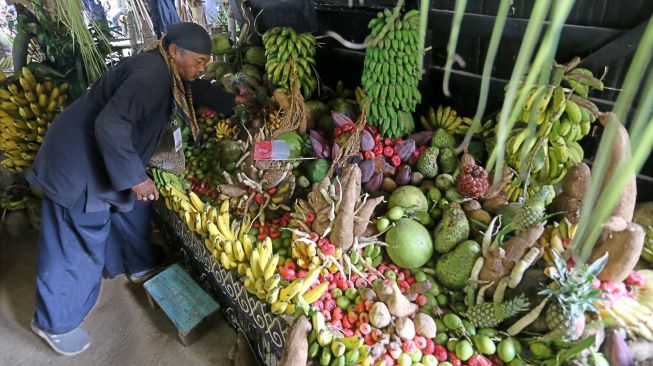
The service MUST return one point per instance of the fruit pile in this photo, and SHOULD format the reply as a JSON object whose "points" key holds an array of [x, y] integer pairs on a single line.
{"points": [[27, 107], [390, 72], [290, 56], [240, 66]]}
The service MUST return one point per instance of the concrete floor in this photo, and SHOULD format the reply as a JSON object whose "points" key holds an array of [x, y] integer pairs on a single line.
{"points": [[124, 329]]}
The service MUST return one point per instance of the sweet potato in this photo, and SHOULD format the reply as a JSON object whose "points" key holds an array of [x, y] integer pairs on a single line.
{"points": [[379, 315], [620, 153], [624, 248], [500, 261], [296, 348], [398, 304], [405, 328], [425, 325], [343, 227], [364, 214], [574, 186]]}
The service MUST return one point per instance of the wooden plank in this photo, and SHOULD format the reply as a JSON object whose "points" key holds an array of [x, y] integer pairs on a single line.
{"points": [[181, 298]]}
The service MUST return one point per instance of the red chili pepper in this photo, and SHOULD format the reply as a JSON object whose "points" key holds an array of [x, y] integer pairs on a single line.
{"points": [[259, 198], [388, 151]]}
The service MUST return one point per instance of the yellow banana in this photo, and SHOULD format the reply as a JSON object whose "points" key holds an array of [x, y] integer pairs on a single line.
{"points": [[224, 207], [247, 246], [272, 295], [227, 262], [271, 266], [310, 277], [272, 282], [239, 251], [196, 201], [223, 226], [290, 291], [255, 265], [279, 307], [316, 293]]}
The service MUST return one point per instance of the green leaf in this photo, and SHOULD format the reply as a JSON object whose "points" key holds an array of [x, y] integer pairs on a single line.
{"points": [[576, 349]]}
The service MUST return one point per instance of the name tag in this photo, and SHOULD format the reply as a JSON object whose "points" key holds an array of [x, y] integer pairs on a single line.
{"points": [[178, 141]]}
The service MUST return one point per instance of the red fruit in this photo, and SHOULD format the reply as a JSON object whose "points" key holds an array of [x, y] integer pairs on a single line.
{"points": [[310, 217], [329, 306], [377, 334], [332, 285], [364, 318], [472, 181], [377, 137], [387, 141], [395, 351], [275, 234], [422, 148], [313, 236], [365, 329], [291, 265], [478, 360], [352, 317], [420, 342], [259, 198], [341, 283], [635, 279], [337, 313], [440, 353], [388, 151], [301, 273], [369, 304], [403, 283], [409, 346], [272, 191], [369, 155], [421, 300], [337, 131], [393, 267], [345, 323], [377, 149], [395, 160], [348, 332], [360, 307], [319, 305], [369, 340], [327, 314], [455, 361], [372, 277], [430, 347]]}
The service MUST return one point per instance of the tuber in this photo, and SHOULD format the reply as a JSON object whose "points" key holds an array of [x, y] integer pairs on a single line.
{"points": [[364, 214], [405, 328], [574, 186], [379, 315], [343, 227], [398, 304], [620, 153], [500, 261], [425, 325], [623, 247], [296, 347]]}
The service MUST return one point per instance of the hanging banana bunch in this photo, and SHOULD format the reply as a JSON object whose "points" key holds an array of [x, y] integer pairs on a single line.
{"points": [[563, 115], [27, 108], [391, 73], [288, 53]]}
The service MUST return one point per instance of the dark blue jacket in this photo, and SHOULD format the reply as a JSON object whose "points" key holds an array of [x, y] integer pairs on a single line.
{"points": [[101, 143]]}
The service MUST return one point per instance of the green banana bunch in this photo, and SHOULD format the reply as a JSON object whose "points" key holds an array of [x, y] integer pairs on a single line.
{"points": [[289, 54], [390, 72], [27, 107], [562, 117]]}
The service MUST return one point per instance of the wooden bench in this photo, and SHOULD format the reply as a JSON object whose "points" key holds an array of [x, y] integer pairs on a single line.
{"points": [[189, 307]]}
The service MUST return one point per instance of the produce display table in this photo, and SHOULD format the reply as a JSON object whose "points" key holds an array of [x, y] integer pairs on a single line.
{"points": [[244, 312]]}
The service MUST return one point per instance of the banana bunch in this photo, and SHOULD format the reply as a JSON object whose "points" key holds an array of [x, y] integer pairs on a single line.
{"points": [[633, 314], [390, 72], [371, 254], [647, 251], [289, 56], [27, 107], [332, 349], [224, 131], [273, 120], [298, 294], [446, 118], [556, 238], [562, 116]]}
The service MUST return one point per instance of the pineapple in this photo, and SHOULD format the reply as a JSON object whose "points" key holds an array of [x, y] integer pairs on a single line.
{"points": [[532, 212], [489, 315], [573, 295]]}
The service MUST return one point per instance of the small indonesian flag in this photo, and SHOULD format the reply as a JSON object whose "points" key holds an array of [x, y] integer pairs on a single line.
{"points": [[272, 150]]}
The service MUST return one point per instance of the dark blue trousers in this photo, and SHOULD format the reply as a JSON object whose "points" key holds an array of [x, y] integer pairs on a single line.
{"points": [[74, 249]]}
